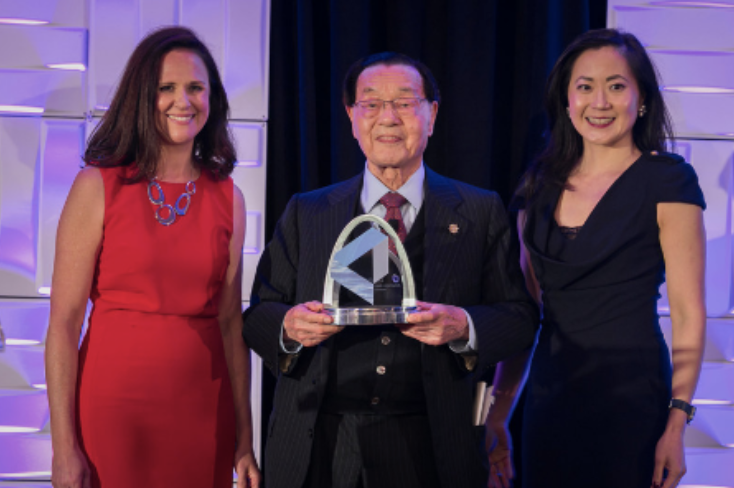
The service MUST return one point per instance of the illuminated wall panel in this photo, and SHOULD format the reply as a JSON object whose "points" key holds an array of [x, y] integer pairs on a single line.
{"points": [[28, 458], [249, 176], [664, 25], [689, 72], [27, 74], [24, 445], [39, 159], [67, 13], [692, 44], [19, 143], [61, 149], [34, 48], [714, 164]]}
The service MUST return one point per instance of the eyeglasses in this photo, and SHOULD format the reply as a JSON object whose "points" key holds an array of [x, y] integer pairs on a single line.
{"points": [[404, 107]]}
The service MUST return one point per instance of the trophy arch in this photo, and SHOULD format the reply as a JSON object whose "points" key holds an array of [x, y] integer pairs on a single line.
{"points": [[375, 314]]}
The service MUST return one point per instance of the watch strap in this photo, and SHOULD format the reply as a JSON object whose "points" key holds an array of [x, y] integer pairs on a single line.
{"points": [[689, 409]]}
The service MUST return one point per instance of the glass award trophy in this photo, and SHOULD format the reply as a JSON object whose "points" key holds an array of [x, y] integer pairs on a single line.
{"points": [[374, 282]]}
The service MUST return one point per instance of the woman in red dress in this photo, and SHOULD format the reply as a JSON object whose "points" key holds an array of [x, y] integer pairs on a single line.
{"points": [[152, 231]]}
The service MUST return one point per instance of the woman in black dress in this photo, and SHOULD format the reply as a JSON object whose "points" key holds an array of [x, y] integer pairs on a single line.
{"points": [[606, 216]]}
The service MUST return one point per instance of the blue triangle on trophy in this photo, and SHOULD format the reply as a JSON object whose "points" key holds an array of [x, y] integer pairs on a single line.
{"points": [[372, 240]]}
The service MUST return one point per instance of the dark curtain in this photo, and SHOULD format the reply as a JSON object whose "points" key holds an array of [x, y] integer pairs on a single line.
{"points": [[490, 58]]}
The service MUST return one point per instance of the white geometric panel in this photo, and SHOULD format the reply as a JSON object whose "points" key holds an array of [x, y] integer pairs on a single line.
{"points": [[715, 386], [695, 68], [23, 408], [40, 158], [690, 28], [723, 418], [24, 321], [720, 341], [113, 33], [714, 164], [705, 116], [60, 13], [19, 142], [62, 146], [246, 64], [254, 237], [28, 458], [709, 468], [235, 31], [44, 69], [684, 73], [36, 47], [250, 140], [47, 91], [24, 445], [249, 175]]}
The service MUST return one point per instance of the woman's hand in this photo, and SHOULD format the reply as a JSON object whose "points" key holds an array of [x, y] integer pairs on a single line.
{"points": [[70, 470], [245, 465], [499, 447], [669, 455]]}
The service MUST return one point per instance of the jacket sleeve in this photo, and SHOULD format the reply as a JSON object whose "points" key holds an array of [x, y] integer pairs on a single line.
{"points": [[507, 319], [273, 292]]}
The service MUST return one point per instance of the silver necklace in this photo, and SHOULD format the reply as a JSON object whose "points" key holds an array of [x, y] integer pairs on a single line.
{"points": [[179, 208]]}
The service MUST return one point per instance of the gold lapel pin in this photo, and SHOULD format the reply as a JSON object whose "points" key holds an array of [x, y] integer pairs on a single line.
{"points": [[454, 229]]}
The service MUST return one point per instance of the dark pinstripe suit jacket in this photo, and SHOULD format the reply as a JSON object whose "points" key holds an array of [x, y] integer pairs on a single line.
{"points": [[476, 268]]}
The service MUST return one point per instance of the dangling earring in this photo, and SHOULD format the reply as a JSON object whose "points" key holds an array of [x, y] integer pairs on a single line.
{"points": [[641, 111], [568, 112]]}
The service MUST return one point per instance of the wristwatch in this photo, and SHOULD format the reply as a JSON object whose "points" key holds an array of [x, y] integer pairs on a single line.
{"points": [[689, 409]]}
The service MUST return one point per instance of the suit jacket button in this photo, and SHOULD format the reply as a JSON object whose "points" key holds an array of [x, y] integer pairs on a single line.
{"points": [[381, 369], [385, 340], [375, 401]]}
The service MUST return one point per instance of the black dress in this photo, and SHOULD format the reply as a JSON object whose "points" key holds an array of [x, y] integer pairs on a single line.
{"points": [[600, 380]]}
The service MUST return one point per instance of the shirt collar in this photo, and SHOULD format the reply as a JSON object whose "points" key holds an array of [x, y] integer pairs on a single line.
{"points": [[373, 189]]}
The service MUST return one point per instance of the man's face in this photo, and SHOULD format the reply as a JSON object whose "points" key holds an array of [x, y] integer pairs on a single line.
{"points": [[390, 139]]}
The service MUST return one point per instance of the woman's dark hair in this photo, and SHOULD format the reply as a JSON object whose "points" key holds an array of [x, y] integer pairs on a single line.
{"points": [[564, 147], [128, 133], [349, 89]]}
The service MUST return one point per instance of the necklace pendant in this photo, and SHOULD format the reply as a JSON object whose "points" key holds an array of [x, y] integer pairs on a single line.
{"points": [[165, 214], [154, 185], [170, 219], [187, 198]]}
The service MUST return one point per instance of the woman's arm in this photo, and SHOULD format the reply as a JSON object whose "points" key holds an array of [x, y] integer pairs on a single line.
{"points": [[682, 238], [77, 244], [509, 378], [236, 351]]}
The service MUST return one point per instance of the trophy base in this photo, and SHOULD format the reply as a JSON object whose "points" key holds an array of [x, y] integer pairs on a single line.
{"points": [[369, 315]]}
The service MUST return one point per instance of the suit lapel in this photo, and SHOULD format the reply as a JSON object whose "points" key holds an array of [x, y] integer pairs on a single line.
{"points": [[446, 228], [339, 207]]}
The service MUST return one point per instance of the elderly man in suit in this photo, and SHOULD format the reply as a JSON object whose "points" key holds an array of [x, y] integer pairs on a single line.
{"points": [[388, 406]]}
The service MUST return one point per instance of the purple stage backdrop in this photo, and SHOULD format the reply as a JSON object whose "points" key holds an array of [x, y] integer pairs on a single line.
{"points": [[692, 45]]}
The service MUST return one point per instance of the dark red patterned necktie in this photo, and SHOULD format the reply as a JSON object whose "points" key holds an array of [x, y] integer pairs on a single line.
{"points": [[393, 202]]}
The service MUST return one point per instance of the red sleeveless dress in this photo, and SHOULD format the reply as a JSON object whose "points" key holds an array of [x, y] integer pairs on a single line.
{"points": [[154, 399]]}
